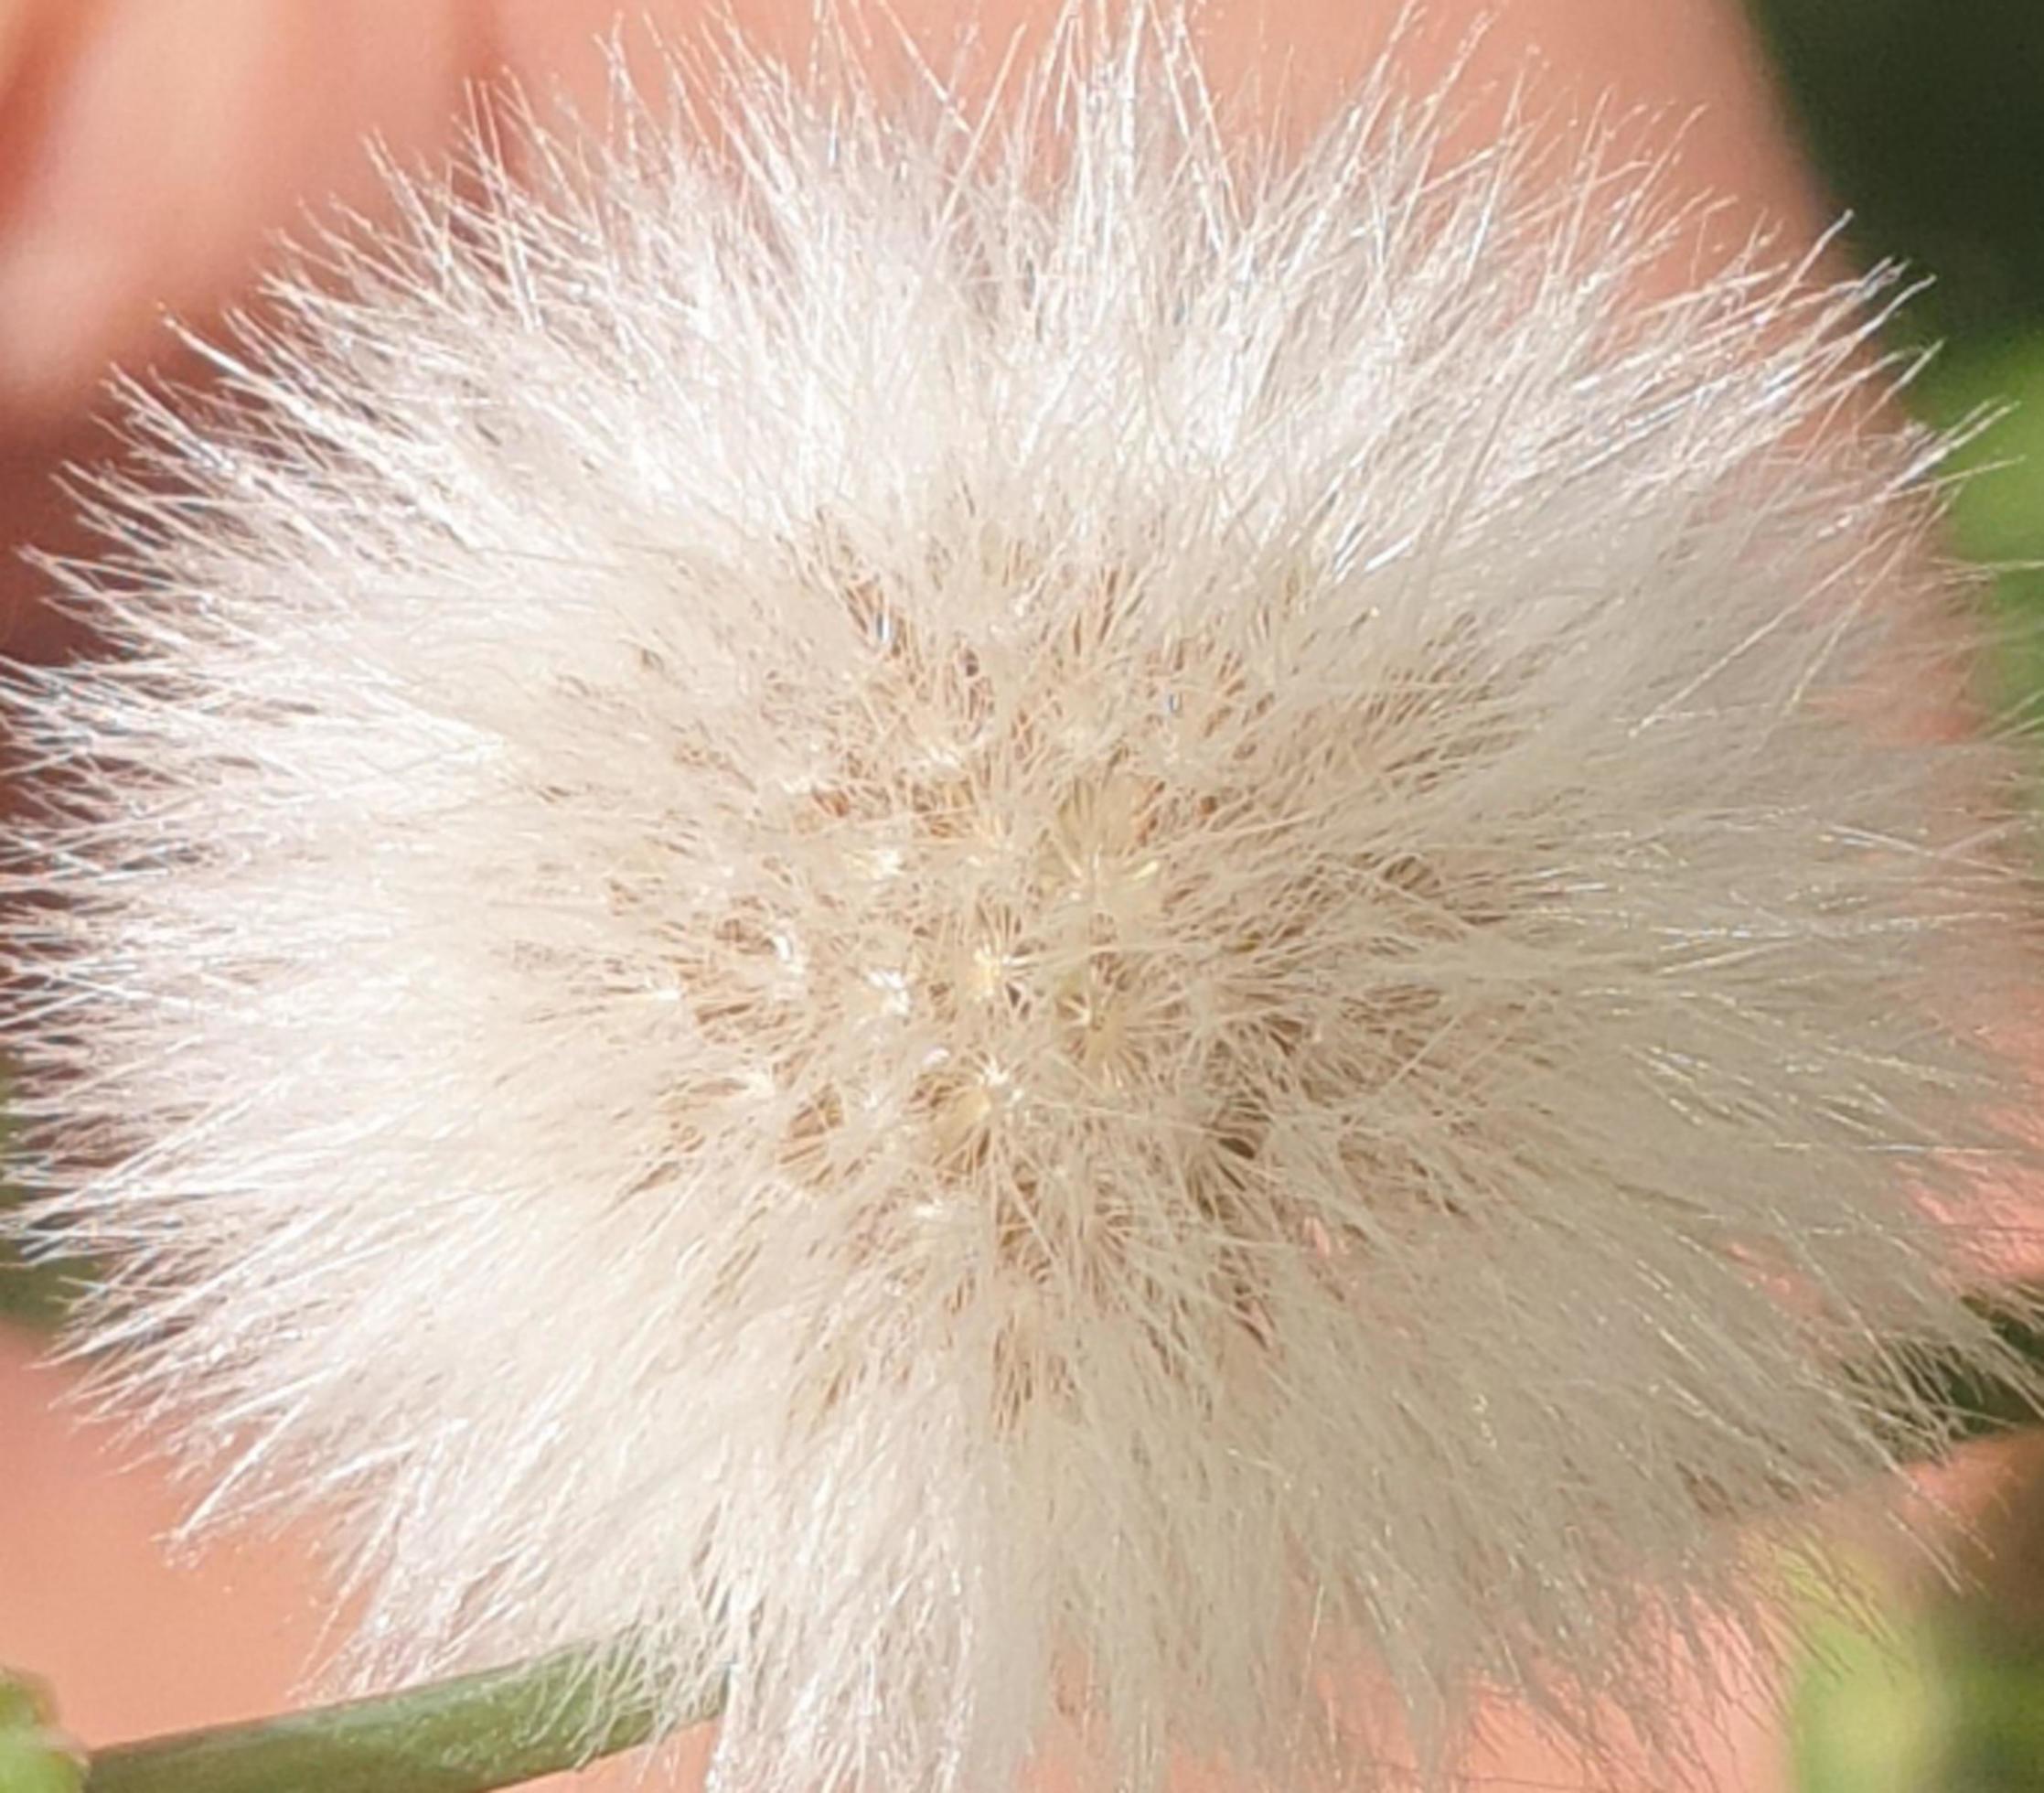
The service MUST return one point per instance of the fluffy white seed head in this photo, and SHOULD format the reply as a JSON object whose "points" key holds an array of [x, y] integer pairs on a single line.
{"points": [[1022, 924]]}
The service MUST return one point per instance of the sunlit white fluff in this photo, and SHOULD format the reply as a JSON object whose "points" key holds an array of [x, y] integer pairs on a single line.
{"points": [[1031, 927]]}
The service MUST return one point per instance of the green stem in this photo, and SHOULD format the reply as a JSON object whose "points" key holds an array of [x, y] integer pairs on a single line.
{"points": [[482, 1731]]}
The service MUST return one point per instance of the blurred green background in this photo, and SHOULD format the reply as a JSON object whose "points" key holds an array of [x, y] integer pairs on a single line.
{"points": [[1926, 117]]}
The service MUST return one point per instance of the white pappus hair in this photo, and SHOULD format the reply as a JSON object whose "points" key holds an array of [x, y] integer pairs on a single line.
{"points": [[1035, 927]]}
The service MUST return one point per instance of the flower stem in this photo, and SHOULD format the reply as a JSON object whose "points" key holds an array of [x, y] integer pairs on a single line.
{"points": [[466, 1735]]}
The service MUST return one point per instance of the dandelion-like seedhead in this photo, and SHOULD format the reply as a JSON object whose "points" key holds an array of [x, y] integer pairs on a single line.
{"points": [[1020, 922]]}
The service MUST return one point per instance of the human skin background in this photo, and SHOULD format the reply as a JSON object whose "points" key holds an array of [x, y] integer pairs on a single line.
{"points": [[148, 151]]}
